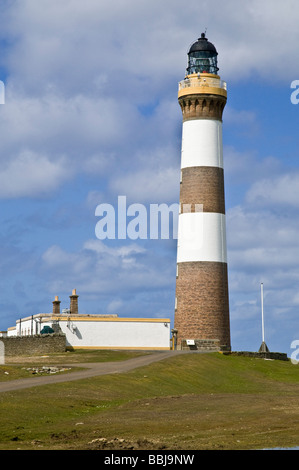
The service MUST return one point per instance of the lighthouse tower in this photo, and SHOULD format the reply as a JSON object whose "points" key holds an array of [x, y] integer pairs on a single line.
{"points": [[201, 303]]}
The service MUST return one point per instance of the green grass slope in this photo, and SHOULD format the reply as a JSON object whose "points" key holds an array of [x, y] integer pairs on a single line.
{"points": [[188, 402]]}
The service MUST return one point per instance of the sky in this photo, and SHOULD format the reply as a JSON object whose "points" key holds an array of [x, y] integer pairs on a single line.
{"points": [[91, 114]]}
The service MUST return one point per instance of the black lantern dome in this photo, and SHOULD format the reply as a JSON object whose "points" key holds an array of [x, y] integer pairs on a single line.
{"points": [[202, 57]]}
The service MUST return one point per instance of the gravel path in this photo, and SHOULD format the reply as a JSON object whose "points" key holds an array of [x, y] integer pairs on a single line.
{"points": [[90, 370]]}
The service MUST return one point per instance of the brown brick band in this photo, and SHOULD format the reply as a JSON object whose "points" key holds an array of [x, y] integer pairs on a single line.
{"points": [[203, 185], [202, 106], [202, 305]]}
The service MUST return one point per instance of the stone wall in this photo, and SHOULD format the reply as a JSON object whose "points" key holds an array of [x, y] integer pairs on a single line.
{"points": [[262, 355], [36, 344]]}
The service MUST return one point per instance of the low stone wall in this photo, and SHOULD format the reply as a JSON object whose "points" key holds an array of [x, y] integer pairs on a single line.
{"points": [[32, 345], [262, 355], [202, 345]]}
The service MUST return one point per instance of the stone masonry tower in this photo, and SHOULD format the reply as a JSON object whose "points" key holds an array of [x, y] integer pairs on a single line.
{"points": [[201, 303]]}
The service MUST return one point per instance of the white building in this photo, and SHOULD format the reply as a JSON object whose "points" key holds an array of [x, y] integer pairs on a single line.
{"points": [[97, 331]]}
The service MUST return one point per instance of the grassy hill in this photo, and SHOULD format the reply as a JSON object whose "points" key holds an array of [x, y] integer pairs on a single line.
{"points": [[196, 401]]}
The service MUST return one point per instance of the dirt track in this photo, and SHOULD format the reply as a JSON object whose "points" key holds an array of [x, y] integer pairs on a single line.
{"points": [[90, 370]]}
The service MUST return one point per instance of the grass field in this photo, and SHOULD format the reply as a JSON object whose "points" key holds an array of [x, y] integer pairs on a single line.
{"points": [[196, 401]]}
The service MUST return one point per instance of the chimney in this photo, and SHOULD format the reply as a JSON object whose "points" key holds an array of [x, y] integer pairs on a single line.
{"points": [[74, 302], [56, 306]]}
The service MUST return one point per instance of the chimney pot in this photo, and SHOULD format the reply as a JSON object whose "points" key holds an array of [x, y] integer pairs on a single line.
{"points": [[74, 302], [56, 306]]}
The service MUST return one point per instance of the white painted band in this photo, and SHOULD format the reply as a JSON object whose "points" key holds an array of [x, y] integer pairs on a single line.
{"points": [[202, 143], [201, 237]]}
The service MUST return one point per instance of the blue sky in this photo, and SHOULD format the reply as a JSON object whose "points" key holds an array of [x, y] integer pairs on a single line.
{"points": [[91, 113]]}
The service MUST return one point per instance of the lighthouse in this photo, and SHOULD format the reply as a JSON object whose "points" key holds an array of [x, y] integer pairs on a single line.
{"points": [[202, 299]]}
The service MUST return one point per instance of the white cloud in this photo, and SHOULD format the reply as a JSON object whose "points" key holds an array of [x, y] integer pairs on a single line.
{"points": [[127, 269], [76, 83], [71, 263], [114, 306], [140, 46], [248, 167], [277, 192], [149, 185], [73, 124], [262, 238], [30, 174], [244, 119], [52, 138], [120, 252]]}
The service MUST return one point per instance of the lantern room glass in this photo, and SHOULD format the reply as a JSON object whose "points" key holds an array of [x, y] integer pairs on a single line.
{"points": [[202, 62]]}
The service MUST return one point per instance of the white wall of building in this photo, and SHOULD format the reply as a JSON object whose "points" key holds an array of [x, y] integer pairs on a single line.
{"points": [[92, 331], [117, 333]]}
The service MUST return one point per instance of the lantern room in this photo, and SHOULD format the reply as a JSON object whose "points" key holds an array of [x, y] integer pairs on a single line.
{"points": [[202, 57]]}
